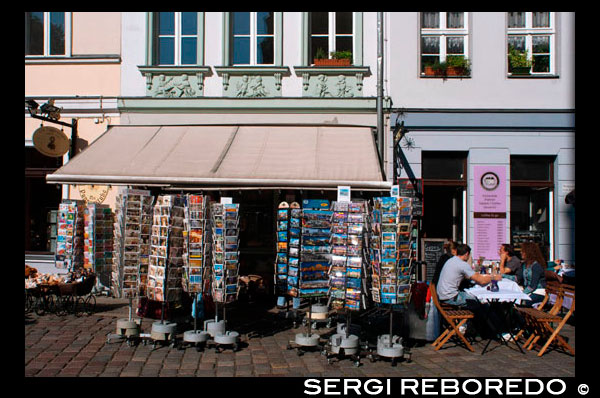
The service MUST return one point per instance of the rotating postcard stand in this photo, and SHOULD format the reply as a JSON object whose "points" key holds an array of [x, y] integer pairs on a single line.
{"points": [[392, 264], [346, 277], [311, 279], [195, 253], [133, 218], [288, 238], [166, 263], [225, 267]]}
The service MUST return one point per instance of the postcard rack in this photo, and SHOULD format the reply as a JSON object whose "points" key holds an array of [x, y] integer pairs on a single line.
{"points": [[69, 235], [225, 270], [392, 261], [196, 249], [313, 274], [166, 261], [98, 243], [346, 275]]}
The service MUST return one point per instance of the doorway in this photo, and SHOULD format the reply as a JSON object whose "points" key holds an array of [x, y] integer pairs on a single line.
{"points": [[443, 212]]}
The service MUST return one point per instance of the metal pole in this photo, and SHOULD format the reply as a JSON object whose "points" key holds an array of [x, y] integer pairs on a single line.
{"points": [[380, 87], [391, 324], [73, 138]]}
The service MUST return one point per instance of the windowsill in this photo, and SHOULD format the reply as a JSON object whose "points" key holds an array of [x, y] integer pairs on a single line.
{"points": [[314, 70], [533, 76], [173, 69], [75, 59], [445, 77], [251, 70]]}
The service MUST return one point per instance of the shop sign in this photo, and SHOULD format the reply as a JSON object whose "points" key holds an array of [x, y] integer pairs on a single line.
{"points": [[93, 193], [51, 141], [395, 191], [343, 193], [489, 211]]}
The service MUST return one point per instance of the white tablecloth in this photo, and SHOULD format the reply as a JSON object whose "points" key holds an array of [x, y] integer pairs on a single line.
{"points": [[508, 291]]}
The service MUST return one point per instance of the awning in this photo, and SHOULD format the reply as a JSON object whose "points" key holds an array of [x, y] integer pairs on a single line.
{"points": [[228, 155]]}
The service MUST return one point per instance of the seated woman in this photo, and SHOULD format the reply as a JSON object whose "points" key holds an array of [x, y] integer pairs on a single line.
{"points": [[531, 275], [509, 262]]}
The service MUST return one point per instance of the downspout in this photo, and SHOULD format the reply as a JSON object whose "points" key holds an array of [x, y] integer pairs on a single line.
{"points": [[380, 90]]}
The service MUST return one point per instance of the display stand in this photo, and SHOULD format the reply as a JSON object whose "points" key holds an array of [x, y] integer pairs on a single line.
{"points": [[393, 256], [69, 235], [195, 255], [312, 279], [127, 329], [346, 276], [166, 263], [225, 272], [98, 244]]}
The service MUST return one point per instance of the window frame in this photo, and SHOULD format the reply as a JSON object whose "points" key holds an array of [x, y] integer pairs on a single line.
{"points": [[529, 32], [443, 32], [178, 36], [331, 34], [46, 44], [253, 35]]}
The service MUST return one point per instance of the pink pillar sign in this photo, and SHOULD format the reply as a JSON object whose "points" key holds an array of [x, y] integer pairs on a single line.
{"points": [[489, 211]]}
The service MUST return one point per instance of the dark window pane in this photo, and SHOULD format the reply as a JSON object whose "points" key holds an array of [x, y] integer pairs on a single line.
{"points": [[430, 20], [343, 23], [319, 23], [166, 23], [455, 45], [241, 23], [541, 63], [530, 168], [443, 165], [455, 20], [189, 23], [430, 45], [241, 50], [57, 33], [188, 51], [516, 19], [316, 43], [34, 33], [343, 43], [265, 23], [264, 50], [166, 51], [518, 42], [541, 19], [541, 44]]}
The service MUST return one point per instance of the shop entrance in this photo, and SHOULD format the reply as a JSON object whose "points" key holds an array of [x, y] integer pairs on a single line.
{"points": [[443, 212]]}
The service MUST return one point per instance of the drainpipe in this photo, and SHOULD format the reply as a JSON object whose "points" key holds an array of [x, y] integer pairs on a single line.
{"points": [[380, 89]]}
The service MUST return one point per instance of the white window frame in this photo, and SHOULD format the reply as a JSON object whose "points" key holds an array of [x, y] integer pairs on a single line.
{"points": [[177, 38], [443, 32], [529, 31], [68, 49], [253, 36], [331, 33]]}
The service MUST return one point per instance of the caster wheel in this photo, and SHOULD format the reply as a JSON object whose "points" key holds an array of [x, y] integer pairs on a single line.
{"points": [[356, 364]]}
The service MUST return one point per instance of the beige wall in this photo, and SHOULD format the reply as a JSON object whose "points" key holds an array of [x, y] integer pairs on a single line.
{"points": [[96, 33], [72, 79]]}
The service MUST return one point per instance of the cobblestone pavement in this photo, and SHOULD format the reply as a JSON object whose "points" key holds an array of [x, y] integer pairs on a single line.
{"points": [[77, 346]]}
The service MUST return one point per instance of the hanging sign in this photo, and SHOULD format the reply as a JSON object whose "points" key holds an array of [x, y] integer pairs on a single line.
{"points": [[343, 194], [93, 193], [51, 141], [395, 191]]}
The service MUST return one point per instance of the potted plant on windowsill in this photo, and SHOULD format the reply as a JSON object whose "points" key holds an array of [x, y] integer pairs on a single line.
{"points": [[338, 58], [518, 62], [436, 69], [457, 66]]}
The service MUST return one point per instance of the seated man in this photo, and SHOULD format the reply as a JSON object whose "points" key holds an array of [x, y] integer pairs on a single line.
{"points": [[455, 270]]}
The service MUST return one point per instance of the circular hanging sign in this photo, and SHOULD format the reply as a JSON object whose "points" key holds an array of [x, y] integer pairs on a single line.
{"points": [[51, 141], [93, 193]]}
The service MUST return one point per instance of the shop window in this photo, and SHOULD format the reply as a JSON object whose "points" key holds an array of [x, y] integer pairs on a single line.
{"points": [[531, 168], [444, 165], [46, 34], [531, 36], [252, 38], [176, 38]]}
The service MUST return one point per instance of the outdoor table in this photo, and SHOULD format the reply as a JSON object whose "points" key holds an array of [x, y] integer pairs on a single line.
{"points": [[508, 292]]}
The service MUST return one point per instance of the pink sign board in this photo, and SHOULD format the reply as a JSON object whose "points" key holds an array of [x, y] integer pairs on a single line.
{"points": [[489, 211]]}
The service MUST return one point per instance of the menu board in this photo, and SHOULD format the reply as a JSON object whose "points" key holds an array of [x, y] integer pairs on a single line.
{"points": [[489, 211], [431, 251]]}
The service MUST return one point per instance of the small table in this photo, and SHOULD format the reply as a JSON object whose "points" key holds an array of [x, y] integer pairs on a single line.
{"points": [[508, 292]]}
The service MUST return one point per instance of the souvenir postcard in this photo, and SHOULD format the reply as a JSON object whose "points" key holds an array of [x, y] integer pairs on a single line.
{"points": [[338, 250], [353, 305], [282, 246], [353, 272], [281, 278], [338, 260], [375, 295], [337, 282], [218, 295], [294, 242], [353, 294], [293, 261], [295, 223], [338, 229], [296, 213], [195, 236], [292, 271], [375, 281], [388, 254], [388, 298], [282, 225], [292, 290], [404, 219], [231, 255], [231, 279], [354, 240], [353, 282], [313, 275], [195, 278], [231, 224], [340, 206], [338, 272], [317, 249], [282, 258], [316, 232], [339, 239], [315, 240], [315, 204], [282, 215], [218, 269], [307, 292], [231, 240], [340, 217], [294, 251], [195, 270], [314, 266], [282, 268], [353, 250], [231, 268], [292, 280], [282, 236]]}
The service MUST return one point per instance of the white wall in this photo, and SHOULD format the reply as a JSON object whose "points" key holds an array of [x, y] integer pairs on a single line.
{"points": [[133, 40]]}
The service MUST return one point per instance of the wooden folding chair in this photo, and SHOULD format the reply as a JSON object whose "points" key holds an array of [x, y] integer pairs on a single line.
{"points": [[541, 322], [454, 318], [552, 288]]}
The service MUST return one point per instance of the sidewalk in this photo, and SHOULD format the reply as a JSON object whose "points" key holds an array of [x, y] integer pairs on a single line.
{"points": [[77, 346]]}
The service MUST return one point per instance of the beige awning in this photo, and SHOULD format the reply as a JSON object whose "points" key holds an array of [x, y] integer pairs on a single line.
{"points": [[228, 155]]}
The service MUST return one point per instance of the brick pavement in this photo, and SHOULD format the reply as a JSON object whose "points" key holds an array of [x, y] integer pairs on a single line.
{"points": [[77, 346]]}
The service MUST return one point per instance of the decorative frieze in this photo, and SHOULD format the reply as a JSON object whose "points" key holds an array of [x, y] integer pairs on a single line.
{"points": [[174, 82], [332, 82], [251, 82]]}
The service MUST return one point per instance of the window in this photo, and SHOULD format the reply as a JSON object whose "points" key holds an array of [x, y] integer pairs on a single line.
{"points": [[330, 32], [176, 38], [443, 35], [444, 165], [253, 38], [46, 32], [533, 33]]}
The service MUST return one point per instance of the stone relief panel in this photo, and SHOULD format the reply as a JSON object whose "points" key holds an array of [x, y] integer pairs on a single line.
{"points": [[248, 86], [331, 86], [176, 86]]}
